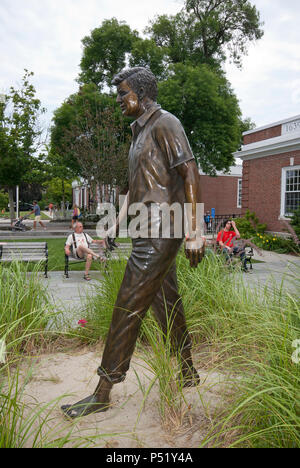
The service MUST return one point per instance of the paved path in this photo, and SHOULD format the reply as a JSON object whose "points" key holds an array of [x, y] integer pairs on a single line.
{"points": [[276, 269], [69, 294]]}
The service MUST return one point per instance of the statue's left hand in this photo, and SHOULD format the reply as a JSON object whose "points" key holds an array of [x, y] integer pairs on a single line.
{"points": [[194, 251]]}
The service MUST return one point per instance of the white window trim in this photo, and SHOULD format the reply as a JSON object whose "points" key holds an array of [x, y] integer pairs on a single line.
{"points": [[283, 187], [239, 205]]}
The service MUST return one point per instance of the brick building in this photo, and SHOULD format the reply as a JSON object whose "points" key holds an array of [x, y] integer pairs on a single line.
{"points": [[271, 171], [222, 192]]}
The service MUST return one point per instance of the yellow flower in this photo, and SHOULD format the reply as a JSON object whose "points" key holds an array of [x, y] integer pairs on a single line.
{"points": [[267, 241], [274, 239]]}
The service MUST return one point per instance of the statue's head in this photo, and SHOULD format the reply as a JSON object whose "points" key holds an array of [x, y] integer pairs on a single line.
{"points": [[136, 88]]}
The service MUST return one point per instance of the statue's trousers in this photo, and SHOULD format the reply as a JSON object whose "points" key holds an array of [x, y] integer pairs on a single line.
{"points": [[150, 280]]}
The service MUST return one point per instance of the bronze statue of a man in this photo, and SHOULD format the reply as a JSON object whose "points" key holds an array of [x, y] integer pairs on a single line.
{"points": [[162, 169]]}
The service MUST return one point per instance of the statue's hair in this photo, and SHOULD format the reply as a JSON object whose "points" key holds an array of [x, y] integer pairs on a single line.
{"points": [[137, 78]]}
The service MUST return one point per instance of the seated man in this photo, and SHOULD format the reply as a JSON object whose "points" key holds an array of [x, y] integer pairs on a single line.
{"points": [[225, 240], [78, 245]]}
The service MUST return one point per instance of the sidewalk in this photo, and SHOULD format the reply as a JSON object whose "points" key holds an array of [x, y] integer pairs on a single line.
{"points": [[53, 229], [69, 294], [277, 269]]}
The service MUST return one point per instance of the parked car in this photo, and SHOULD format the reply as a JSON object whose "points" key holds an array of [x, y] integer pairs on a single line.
{"points": [[23, 206]]}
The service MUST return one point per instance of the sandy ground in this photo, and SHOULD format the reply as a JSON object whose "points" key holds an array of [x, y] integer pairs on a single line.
{"points": [[133, 421]]}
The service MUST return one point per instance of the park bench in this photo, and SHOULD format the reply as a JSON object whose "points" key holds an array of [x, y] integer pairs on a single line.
{"points": [[235, 259], [25, 252], [123, 251]]}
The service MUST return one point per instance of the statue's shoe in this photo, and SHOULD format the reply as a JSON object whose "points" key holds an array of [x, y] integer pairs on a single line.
{"points": [[190, 377], [84, 407]]}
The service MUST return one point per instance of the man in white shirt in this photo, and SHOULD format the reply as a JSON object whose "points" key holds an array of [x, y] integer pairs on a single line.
{"points": [[78, 245]]}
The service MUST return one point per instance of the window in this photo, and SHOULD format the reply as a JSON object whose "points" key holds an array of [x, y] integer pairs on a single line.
{"points": [[290, 195], [239, 196]]}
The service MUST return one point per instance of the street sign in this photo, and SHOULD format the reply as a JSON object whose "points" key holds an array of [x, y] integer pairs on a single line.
{"points": [[213, 213]]}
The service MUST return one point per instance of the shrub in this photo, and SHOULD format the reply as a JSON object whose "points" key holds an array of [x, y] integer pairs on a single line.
{"points": [[295, 222], [25, 308], [275, 243], [250, 333], [249, 225]]}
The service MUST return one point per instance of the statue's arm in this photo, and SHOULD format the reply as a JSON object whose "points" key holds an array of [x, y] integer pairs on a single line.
{"points": [[194, 244]]}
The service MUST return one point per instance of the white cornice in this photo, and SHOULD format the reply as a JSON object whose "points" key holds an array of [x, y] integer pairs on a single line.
{"points": [[274, 124], [277, 145]]}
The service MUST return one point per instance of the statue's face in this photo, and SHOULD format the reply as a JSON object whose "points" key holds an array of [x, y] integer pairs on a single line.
{"points": [[128, 100]]}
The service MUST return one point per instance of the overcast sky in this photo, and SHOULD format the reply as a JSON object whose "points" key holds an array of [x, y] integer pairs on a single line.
{"points": [[45, 36]]}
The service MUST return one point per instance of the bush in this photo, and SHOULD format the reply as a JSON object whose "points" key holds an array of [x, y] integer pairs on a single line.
{"points": [[249, 334], [249, 225], [25, 308], [295, 222], [275, 243]]}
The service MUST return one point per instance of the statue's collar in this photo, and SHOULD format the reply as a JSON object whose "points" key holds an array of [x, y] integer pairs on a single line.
{"points": [[143, 119]]}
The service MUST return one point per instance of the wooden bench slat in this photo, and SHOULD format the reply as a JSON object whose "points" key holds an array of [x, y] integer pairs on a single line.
{"points": [[25, 252]]}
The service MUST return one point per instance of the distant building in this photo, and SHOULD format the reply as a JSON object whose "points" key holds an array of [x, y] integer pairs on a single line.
{"points": [[223, 192], [271, 171], [81, 194], [83, 197]]}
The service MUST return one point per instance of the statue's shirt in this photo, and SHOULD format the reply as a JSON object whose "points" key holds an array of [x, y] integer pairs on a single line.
{"points": [[159, 145]]}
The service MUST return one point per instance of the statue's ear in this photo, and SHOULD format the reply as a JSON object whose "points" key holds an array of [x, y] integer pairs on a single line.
{"points": [[141, 92]]}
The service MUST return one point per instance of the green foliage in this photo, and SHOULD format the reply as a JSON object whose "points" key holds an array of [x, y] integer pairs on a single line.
{"points": [[186, 52], [98, 308], [19, 135], [55, 191], [249, 334], [249, 225], [145, 53], [224, 26], [276, 243], [89, 138], [25, 308], [104, 52], [19, 132], [3, 200], [209, 111], [295, 222]]}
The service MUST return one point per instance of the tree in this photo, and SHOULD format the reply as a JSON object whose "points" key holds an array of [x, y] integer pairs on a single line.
{"points": [[3, 200], [191, 45], [178, 37], [94, 138], [209, 111], [145, 53], [104, 52], [222, 24], [55, 191], [20, 135], [206, 30]]}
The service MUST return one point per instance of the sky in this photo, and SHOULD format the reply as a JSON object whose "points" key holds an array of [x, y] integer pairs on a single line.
{"points": [[44, 36]]}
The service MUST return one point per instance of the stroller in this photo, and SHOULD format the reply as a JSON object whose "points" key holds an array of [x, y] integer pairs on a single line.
{"points": [[20, 226]]}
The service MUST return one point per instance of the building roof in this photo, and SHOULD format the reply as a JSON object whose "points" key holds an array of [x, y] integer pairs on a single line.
{"points": [[274, 124], [235, 171], [287, 141]]}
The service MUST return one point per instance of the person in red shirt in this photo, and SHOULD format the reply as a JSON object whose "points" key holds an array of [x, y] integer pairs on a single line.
{"points": [[225, 240]]}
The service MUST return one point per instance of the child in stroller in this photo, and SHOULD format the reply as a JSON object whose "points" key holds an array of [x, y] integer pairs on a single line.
{"points": [[20, 226]]}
